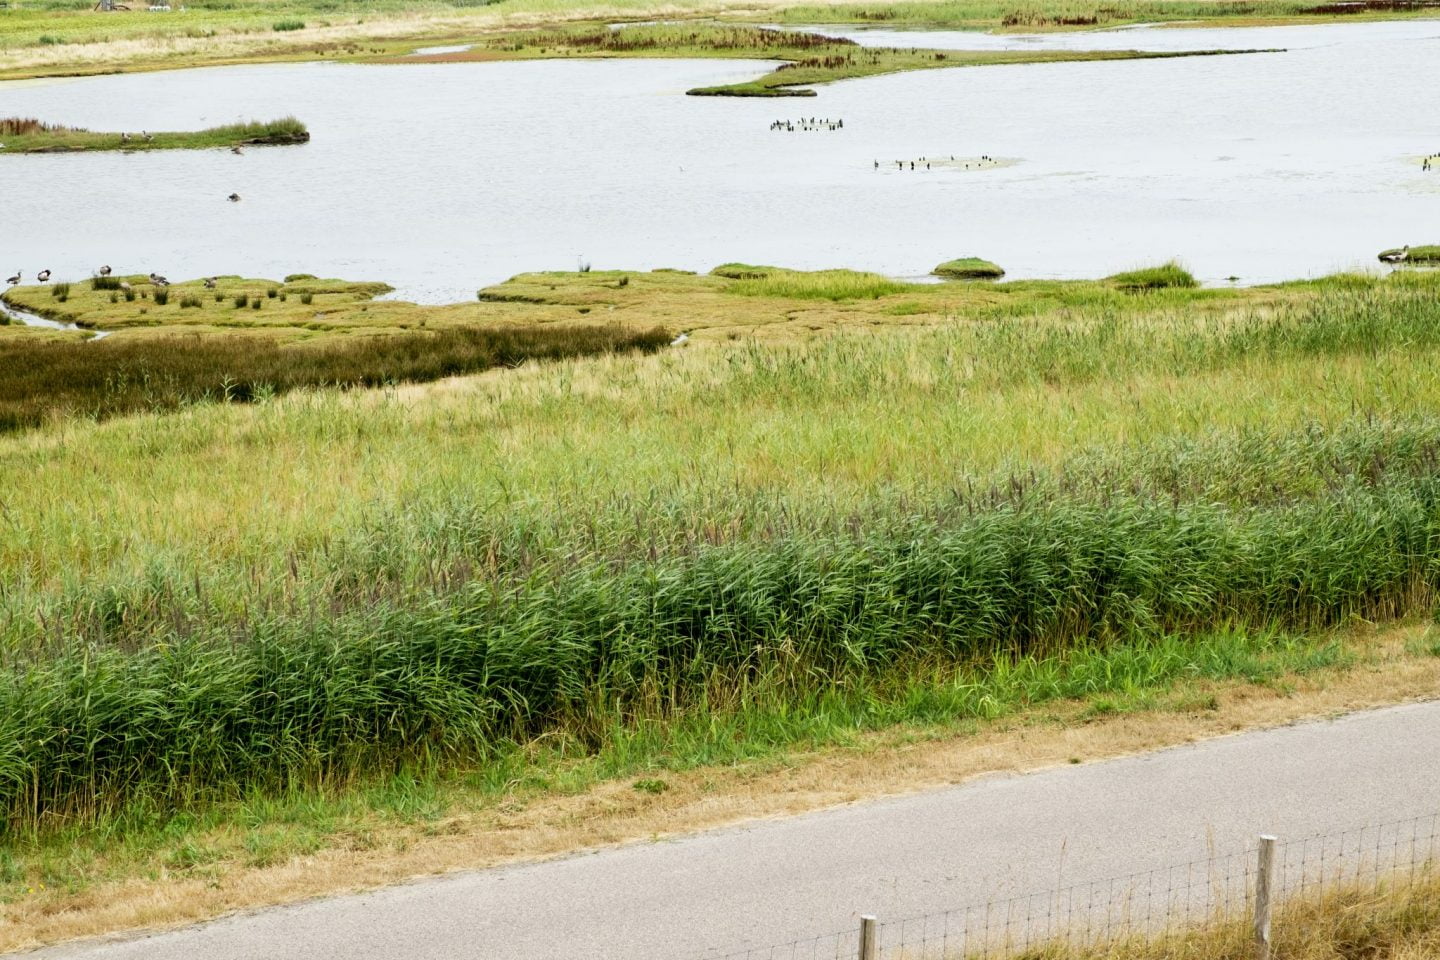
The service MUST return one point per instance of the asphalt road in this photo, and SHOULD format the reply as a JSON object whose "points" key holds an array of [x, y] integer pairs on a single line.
{"points": [[776, 881]]}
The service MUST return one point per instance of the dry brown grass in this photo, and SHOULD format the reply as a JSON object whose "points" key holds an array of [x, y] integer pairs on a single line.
{"points": [[1396, 918], [530, 828]]}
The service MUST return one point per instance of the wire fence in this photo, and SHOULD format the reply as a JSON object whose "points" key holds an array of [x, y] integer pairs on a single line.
{"points": [[1217, 889]]}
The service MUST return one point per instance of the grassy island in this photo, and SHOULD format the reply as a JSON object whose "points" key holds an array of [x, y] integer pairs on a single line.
{"points": [[25, 135], [969, 268], [807, 58]]}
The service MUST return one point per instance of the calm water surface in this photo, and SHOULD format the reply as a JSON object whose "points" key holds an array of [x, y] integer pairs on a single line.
{"points": [[441, 178]]}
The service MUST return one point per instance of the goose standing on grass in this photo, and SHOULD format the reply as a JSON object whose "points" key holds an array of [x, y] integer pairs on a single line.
{"points": [[148, 137], [1397, 256], [105, 270], [15, 279], [43, 276], [158, 280], [210, 283]]}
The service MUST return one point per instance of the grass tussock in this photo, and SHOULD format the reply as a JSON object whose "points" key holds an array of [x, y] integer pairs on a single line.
{"points": [[1166, 276]]}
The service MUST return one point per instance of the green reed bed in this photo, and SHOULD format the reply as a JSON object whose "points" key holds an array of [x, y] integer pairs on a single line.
{"points": [[40, 381], [300, 695]]}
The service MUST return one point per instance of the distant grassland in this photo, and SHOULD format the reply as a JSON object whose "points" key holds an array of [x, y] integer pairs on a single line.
{"points": [[21, 135], [60, 38], [1080, 14], [428, 577]]}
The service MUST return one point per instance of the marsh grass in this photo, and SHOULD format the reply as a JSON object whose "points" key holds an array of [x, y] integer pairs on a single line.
{"points": [[812, 285], [531, 556], [40, 382]]}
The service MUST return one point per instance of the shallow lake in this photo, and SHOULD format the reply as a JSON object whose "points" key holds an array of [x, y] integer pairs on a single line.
{"points": [[441, 178]]}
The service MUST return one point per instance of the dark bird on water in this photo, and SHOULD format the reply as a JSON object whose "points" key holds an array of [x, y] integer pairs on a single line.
{"points": [[236, 150], [233, 198]]}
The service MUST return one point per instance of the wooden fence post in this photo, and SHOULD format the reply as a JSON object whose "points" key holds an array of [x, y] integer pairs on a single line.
{"points": [[1264, 894], [867, 938]]}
